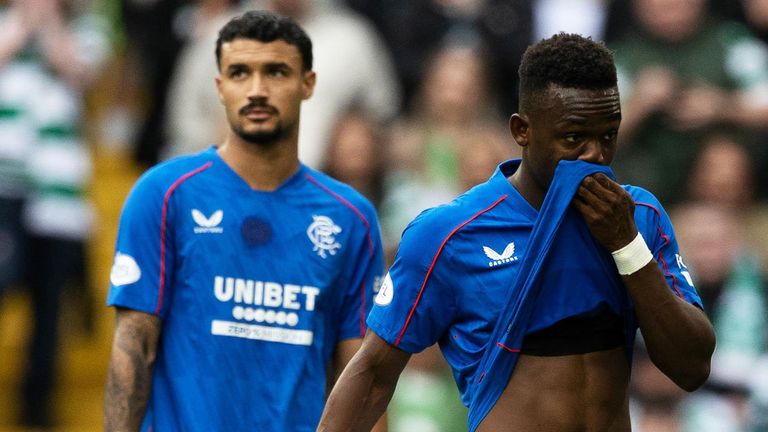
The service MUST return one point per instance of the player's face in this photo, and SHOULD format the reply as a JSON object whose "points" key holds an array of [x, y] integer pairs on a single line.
{"points": [[569, 124], [262, 86]]}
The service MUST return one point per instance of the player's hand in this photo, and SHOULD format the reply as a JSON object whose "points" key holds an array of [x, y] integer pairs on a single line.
{"points": [[608, 211]]}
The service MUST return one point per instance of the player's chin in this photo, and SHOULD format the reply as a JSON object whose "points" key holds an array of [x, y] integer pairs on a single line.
{"points": [[260, 135]]}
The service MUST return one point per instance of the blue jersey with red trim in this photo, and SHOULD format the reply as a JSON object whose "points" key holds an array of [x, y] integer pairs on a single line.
{"points": [[254, 290], [455, 263]]}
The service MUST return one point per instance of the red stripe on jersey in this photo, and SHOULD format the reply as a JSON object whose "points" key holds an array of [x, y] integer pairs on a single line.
{"points": [[512, 350], [434, 260], [163, 228]]}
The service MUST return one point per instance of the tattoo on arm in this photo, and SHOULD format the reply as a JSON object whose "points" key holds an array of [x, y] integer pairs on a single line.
{"points": [[130, 370]]}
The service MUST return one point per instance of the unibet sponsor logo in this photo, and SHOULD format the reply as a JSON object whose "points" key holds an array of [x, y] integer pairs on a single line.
{"points": [[266, 308], [386, 292], [247, 292]]}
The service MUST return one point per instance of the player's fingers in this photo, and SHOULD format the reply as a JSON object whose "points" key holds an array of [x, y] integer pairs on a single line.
{"points": [[589, 193], [605, 189], [586, 209]]}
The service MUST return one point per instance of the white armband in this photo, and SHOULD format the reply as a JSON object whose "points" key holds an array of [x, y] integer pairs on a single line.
{"points": [[633, 256]]}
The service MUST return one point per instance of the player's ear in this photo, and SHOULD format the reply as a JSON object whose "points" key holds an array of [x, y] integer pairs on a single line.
{"points": [[217, 78], [308, 85], [519, 127]]}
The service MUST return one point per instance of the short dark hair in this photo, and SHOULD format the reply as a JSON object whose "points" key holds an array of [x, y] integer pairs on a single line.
{"points": [[566, 60], [266, 27]]}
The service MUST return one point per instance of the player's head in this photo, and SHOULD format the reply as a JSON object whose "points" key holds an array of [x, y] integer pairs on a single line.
{"points": [[264, 26], [567, 61], [569, 104], [265, 73]]}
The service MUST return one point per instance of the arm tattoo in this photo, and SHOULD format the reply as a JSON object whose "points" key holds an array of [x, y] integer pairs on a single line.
{"points": [[130, 370]]}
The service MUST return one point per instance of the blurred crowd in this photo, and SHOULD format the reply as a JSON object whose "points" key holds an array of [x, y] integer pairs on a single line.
{"points": [[410, 108]]}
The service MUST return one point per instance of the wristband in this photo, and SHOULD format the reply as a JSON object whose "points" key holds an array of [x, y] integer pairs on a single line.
{"points": [[633, 256]]}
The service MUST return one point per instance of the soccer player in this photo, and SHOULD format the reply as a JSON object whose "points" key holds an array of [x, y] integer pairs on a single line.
{"points": [[535, 282], [241, 276]]}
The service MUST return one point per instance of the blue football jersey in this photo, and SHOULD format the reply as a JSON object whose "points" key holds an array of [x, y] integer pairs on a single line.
{"points": [[254, 290], [456, 263]]}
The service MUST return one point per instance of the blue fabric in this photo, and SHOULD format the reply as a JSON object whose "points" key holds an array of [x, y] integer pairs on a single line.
{"points": [[556, 219], [255, 290], [457, 264]]}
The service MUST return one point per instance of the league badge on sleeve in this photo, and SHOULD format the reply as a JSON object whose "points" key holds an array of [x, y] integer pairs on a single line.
{"points": [[386, 292], [125, 271]]}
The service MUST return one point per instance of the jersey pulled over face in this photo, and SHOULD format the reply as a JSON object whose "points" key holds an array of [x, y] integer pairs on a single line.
{"points": [[456, 263]]}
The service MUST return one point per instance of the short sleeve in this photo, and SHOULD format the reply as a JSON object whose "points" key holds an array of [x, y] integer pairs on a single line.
{"points": [[656, 227], [142, 252], [414, 305], [367, 271]]}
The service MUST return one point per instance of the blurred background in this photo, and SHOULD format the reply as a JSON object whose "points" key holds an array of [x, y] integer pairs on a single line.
{"points": [[410, 108]]}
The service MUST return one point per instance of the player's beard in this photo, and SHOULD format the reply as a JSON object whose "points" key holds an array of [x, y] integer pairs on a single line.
{"points": [[260, 138]]}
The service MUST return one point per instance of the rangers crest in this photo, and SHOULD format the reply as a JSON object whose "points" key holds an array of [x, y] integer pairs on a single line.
{"points": [[322, 233]]}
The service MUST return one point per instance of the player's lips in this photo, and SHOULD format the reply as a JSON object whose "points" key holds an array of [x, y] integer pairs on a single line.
{"points": [[257, 112]]}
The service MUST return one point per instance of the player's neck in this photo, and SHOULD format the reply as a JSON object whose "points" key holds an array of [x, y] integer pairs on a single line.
{"points": [[527, 186], [263, 168]]}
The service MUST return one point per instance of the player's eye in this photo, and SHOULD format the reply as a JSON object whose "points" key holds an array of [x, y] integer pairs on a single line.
{"points": [[573, 138], [611, 136], [277, 71], [237, 72]]}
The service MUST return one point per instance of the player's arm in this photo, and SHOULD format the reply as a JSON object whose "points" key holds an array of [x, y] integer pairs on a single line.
{"points": [[129, 378], [345, 350], [364, 389], [679, 337]]}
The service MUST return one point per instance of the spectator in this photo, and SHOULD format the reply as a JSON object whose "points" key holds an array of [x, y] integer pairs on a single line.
{"points": [[414, 29], [51, 51], [732, 287], [756, 14], [354, 155], [681, 74], [153, 47], [452, 117], [194, 119], [724, 175]]}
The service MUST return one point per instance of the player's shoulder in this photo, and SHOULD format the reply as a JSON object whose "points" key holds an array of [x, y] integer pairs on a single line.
{"points": [[644, 198], [649, 211], [340, 193]]}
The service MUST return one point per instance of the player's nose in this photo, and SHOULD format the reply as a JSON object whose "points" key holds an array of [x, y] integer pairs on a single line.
{"points": [[594, 152]]}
